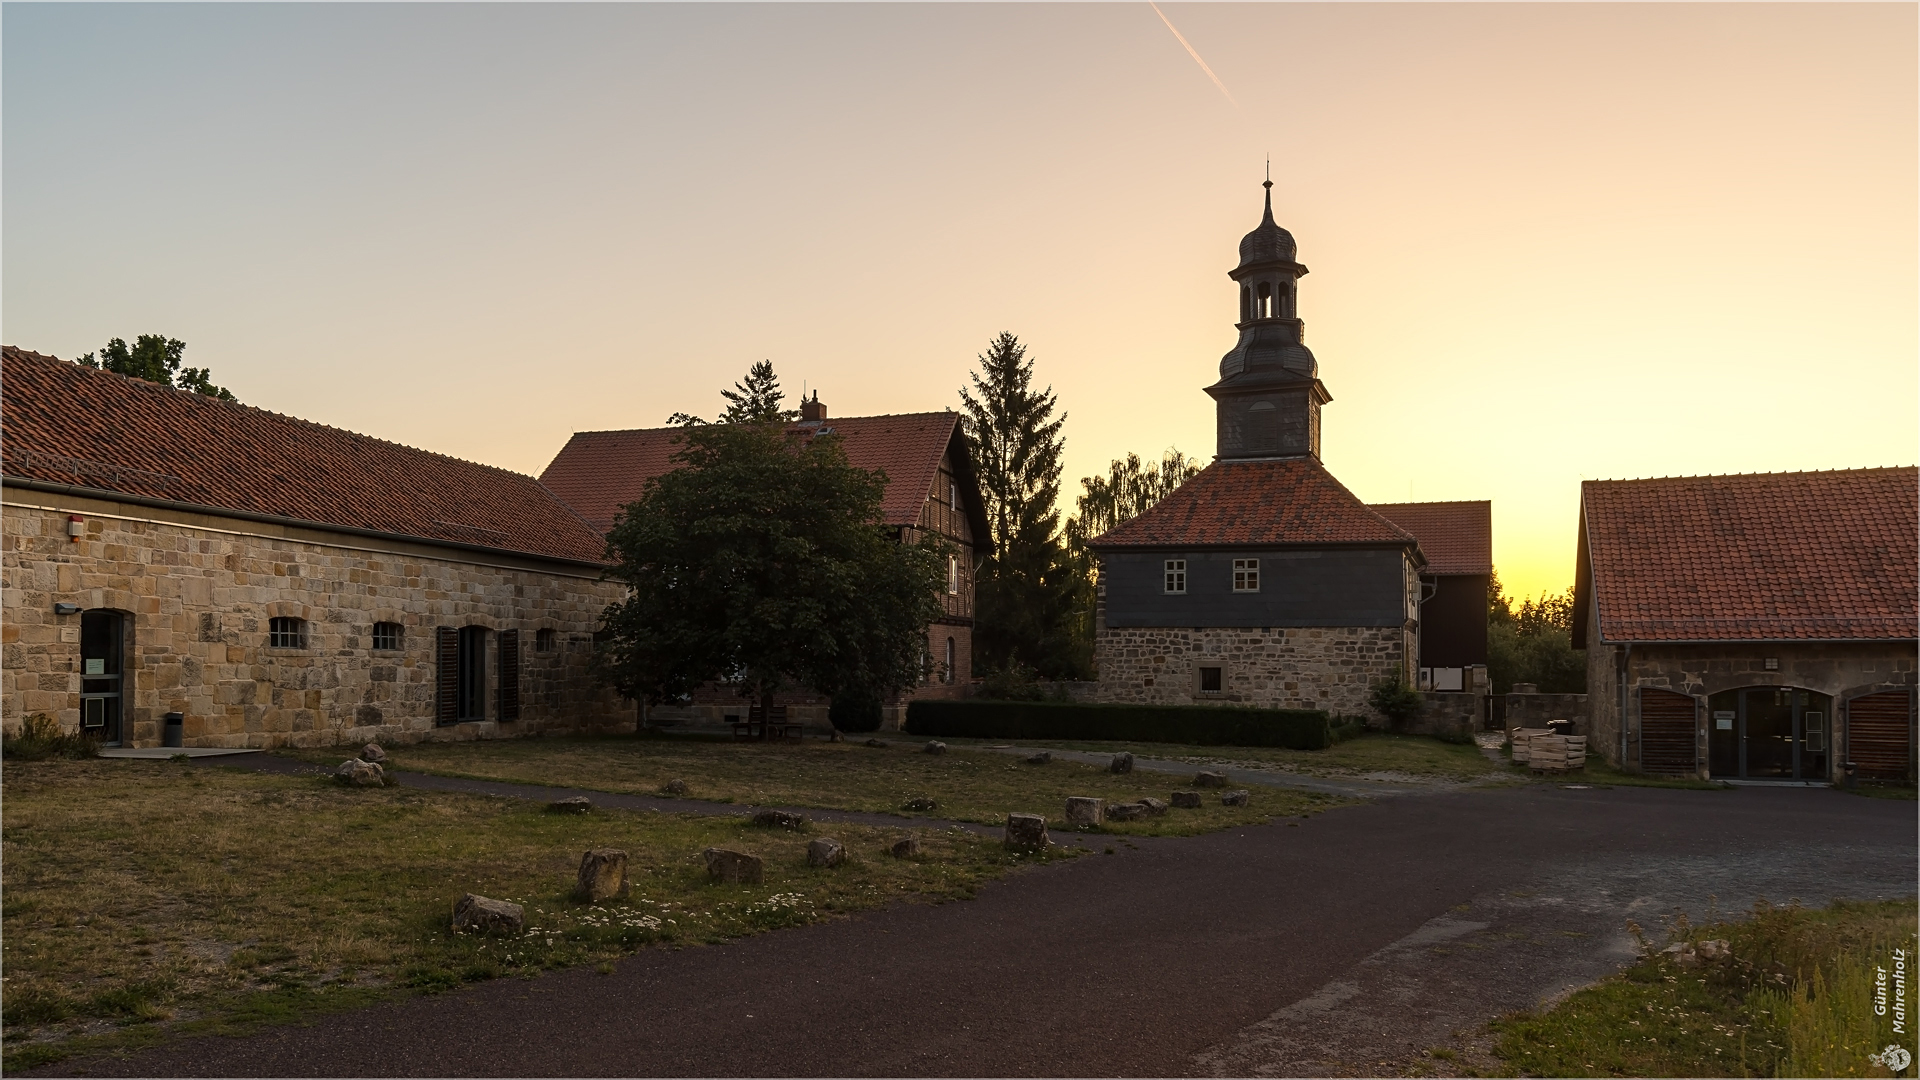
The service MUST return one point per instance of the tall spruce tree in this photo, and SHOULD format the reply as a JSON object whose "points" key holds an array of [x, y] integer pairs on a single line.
{"points": [[753, 400], [1028, 591]]}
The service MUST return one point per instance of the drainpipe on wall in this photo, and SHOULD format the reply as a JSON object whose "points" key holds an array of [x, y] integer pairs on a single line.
{"points": [[1626, 661]]}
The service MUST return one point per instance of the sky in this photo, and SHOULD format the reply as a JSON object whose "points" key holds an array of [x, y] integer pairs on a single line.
{"points": [[1547, 243]]}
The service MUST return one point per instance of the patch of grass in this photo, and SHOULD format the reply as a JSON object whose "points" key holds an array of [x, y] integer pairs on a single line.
{"points": [[1793, 997], [965, 785], [143, 900], [1415, 756], [1871, 790]]}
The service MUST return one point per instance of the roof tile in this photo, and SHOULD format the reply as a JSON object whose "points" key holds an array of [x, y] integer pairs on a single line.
{"points": [[1278, 501], [1456, 537]]}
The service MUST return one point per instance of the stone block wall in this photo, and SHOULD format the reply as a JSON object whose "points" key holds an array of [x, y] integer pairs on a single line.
{"points": [[198, 591], [1320, 667], [1534, 710], [1446, 715]]}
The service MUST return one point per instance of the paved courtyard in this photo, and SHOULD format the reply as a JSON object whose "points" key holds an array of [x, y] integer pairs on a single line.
{"points": [[1344, 944]]}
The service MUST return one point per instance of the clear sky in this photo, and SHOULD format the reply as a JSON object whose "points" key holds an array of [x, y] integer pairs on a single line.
{"points": [[1547, 242]]}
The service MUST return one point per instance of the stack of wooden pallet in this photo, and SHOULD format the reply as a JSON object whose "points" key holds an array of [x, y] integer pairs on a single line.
{"points": [[1557, 753], [1523, 740]]}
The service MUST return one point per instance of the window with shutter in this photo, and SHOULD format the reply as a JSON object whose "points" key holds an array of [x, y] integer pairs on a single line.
{"points": [[509, 674], [446, 658]]}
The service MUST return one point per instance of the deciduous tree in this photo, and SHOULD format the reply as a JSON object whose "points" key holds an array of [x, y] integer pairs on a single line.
{"points": [[155, 358]]}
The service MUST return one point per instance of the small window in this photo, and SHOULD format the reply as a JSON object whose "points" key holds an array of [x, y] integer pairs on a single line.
{"points": [[953, 576], [1210, 680], [286, 632], [1176, 576], [388, 636], [1246, 575], [545, 640], [953, 497], [1815, 726], [947, 674]]}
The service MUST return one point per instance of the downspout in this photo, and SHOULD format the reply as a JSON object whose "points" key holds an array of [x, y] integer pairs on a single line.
{"points": [[1626, 662]]}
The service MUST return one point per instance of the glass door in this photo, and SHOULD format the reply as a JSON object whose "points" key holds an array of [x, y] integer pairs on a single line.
{"points": [[1769, 733], [101, 645]]}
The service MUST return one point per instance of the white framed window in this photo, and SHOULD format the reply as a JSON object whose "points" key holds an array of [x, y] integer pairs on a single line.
{"points": [[946, 673], [1246, 575], [953, 497], [1176, 581], [953, 576]]}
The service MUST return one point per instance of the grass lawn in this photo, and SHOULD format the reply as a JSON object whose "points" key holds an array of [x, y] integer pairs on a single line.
{"points": [[150, 898], [1375, 752], [1794, 998], [965, 784]]}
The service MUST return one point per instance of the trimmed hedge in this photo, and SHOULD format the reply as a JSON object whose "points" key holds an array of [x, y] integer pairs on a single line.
{"points": [[1199, 725]]}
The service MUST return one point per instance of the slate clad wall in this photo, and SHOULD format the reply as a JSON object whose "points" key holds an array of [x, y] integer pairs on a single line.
{"points": [[1337, 587]]}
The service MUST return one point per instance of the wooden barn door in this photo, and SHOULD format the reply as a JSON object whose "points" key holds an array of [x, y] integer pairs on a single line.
{"points": [[1880, 734], [1666, 732]]}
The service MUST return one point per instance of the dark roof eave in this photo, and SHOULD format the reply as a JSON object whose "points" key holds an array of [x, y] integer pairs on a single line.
{"points": [[1605, 640], [109, 495], [1174, 545]]}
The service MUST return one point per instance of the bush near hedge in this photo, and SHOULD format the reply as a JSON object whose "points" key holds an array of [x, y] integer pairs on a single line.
{"points": [[1196, 725]]}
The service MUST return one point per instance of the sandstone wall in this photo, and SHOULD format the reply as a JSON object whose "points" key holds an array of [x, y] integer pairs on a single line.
{"points": [[1331, 668], [199, 590]]}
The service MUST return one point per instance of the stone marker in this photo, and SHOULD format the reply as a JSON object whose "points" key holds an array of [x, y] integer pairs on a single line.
{"points": [[1083, 811], [935, 746], [1121, 763], [373, 752], [920, 802], [1044, 757], [603, 875], [1126, 811], [578, 804], [1188, 800], [1026, 831], [1210, 779], [675, 787], [357, 773], [1233, 798], [906, 848], [824, 852], [479, 915], [1152, 807], [779, 819], [732, 867]]}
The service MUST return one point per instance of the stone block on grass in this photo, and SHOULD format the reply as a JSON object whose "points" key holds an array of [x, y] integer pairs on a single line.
{"points": [[1153, 807], [603, 876], [578, 804], [1027, 832], [674, 787], [935, 746], [1121, 763], [1084, 811], [475, 914], [920, 802], [1233, 798], [825, 852], [905, 848], [1210, 779], [779, 819], [1044, 757], [732, 867], [354, 772], [1126, 811], [373, 752], [1187, 800]]}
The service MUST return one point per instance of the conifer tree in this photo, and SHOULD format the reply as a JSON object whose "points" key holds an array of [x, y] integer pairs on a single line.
{"points": [[1028, 591]]}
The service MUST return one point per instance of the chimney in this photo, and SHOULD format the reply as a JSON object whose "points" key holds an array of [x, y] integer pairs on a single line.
{"points": [[811, 411]]}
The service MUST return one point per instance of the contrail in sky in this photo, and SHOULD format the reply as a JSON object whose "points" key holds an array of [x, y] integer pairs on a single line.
{"points": [[1190, 52]]}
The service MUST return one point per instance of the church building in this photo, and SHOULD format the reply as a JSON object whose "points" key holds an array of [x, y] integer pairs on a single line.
{"points": [[1262, 581]]}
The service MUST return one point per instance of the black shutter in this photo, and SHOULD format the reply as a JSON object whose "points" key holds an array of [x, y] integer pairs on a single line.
{"points": [[446, 657], [509, 674]]}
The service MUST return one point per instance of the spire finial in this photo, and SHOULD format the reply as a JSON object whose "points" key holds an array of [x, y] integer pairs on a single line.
{"points": [[1267, 219]]}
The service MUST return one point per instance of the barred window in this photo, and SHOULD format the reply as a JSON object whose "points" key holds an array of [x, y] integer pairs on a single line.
{"points": [[545, 640], [1246, 575], [388, 636], [1176, 576], [1209, 680], [286, 632]]}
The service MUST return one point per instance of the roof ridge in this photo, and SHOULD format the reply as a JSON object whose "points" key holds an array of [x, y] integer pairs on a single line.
{"points": [[144, 386], [1735, 476], [829, 421]]}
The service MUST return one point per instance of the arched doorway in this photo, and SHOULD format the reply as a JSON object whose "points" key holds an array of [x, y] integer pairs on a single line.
{"points": [[104, 688], [1769, 733]]}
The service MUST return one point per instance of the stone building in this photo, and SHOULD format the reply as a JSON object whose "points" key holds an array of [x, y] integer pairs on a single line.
{"points": [[1261, 581], [275, 581], [1457, 539], [930, 489], [1757, 627]]}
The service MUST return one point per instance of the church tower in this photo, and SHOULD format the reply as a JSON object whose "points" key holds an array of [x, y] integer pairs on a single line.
{"points": [[1269, 395]]}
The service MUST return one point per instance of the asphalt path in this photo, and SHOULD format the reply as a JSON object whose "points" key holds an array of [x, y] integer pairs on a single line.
{"points": [[1343, 944]]}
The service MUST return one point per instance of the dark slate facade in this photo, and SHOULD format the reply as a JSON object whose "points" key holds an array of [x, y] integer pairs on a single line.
{"points": [[1298, 587]]}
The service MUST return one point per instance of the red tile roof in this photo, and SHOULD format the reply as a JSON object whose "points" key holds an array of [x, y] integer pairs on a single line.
{"points": [[598, 472], [1768, 557], [72, 425], [1456, 537], [1275, 502]]}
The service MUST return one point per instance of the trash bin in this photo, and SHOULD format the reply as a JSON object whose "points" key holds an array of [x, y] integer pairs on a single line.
{"points": [[174, 732], [1560, 727]]}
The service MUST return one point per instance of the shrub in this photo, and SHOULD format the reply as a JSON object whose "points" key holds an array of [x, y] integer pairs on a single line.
{"points": [[1201, 725], [1012, 682], [40, 738], [855, 711], [1395, 700]]}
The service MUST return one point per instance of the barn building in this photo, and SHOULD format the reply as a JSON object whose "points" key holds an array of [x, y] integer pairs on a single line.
{"points": [[1754, 628], [1263, 580], [930, 489], [270, 581], [1457, 539]]}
